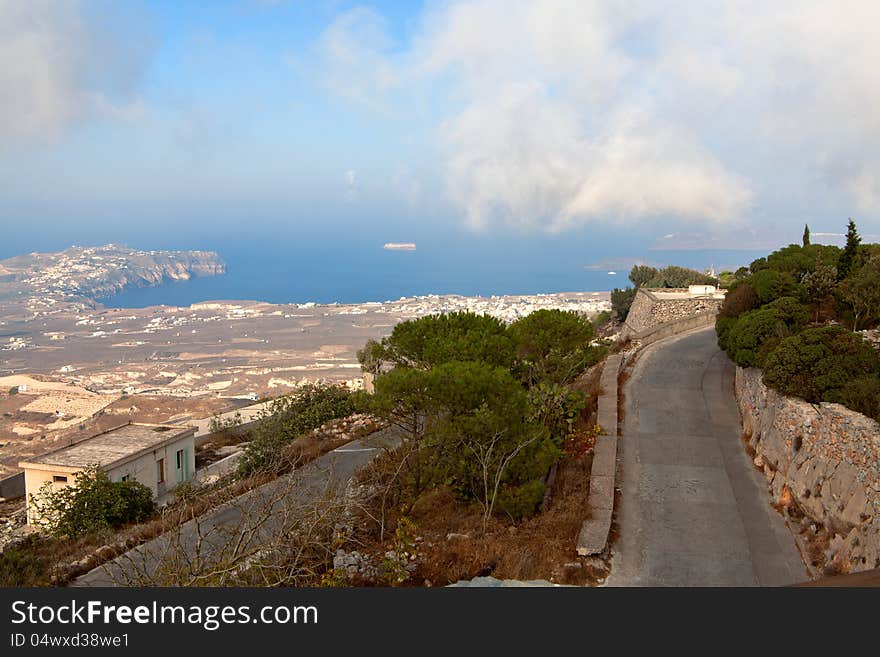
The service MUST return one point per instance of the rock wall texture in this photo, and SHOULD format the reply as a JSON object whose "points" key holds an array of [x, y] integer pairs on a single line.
{"points": [[649, 310], [823, 457]]}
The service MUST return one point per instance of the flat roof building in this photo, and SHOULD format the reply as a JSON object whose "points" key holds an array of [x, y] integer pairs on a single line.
{"points": [[158, 456]]}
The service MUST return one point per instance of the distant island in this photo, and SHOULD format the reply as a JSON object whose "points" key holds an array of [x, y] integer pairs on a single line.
{"points": [[83, 274], [400, 246]]}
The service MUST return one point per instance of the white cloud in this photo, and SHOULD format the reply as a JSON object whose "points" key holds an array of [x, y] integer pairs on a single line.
{"points": [[562, 112], [58, 68], [353, 47]]}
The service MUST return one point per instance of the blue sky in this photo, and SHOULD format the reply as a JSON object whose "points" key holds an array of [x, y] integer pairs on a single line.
{"points": [[724, 124]]}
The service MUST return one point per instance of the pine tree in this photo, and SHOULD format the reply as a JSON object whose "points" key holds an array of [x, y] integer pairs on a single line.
{"points": [[806, 235], [847, 260]]}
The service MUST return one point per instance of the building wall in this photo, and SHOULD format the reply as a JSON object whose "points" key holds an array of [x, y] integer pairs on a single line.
{"points": [[35, 479], [142, 469]]}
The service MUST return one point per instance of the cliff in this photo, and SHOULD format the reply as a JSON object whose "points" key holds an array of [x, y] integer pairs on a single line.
{"points": [[94, 272]]}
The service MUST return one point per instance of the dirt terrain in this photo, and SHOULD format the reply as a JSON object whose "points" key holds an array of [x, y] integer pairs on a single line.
{"points": [[69, 365]]}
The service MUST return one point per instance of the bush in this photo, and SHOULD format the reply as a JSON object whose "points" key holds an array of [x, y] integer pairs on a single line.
{"points": [[639, 275], [21, 567], [621, 301], [744, 338], [797, 259], [861, 395], [436, 339], [553, 346], [674, 276], [770, 285], [522, 501], [739, 300], [602, 319], [556, 407], [93, 503], [724, 327], [291, 416], [818, 363], [221, 424]]}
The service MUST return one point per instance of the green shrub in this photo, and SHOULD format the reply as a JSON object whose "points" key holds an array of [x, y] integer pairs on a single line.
{"points": [[93, 503], [436, 339], [289, 417], [21, 567], [553, 346], [770, 285], [861, 394], [522, 501], [818, 363], [674, 276], [744, 339], [621, 301], [602, 319], [724, 327], [742, 298], [556, 407]]}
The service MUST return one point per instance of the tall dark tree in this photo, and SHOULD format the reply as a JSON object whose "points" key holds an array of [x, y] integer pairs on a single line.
{"points": [[621, 300], [850, 252], [806, 235]]}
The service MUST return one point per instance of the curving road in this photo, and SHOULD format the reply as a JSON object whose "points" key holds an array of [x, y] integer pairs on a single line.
{"points": [[694, 510]]}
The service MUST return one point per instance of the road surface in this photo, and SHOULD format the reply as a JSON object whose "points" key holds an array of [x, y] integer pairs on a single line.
{"points": [[694, 510], [216, 529]]}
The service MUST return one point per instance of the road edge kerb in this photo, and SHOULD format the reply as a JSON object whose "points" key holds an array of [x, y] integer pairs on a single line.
{"points": [[593, 536]]}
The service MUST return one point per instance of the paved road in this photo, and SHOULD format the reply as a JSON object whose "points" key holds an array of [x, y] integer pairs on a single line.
{"points": [[218, 528], [694, 510]]}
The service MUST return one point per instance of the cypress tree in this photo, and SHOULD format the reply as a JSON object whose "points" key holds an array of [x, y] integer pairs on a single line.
{"points": [[850, 251], [806, 235]]}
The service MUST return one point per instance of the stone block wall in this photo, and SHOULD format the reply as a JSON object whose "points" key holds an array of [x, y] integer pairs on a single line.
{"points": [[823, 457], [649, 310]]}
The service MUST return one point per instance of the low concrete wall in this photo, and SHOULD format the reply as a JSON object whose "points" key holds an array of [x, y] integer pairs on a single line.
{"points": [[12, 486], [823, 457], [203, 438], [593, 536], [211, 473]]}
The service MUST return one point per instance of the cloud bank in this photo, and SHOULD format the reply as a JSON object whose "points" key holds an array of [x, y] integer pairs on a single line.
{"points": [[61, 64], [566, 112]]}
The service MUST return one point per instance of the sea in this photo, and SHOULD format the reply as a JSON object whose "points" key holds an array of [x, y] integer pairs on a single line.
{"points": [[360, 271]]}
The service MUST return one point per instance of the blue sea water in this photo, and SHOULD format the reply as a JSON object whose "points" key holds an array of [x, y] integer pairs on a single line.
{"points": [[327, 271]]}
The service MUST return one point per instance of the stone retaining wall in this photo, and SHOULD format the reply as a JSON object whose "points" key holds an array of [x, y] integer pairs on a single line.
{"points": [[668, 329], [649, 309], [823, 457]]}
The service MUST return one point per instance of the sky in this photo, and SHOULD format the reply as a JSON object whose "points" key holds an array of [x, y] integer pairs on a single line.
{"points": [[651, 123]]}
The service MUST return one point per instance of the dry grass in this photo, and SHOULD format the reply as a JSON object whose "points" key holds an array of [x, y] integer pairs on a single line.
{"points": [[542, 547]]}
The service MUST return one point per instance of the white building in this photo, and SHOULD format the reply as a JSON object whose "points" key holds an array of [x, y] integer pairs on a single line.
{"points": [[158, 456]]}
